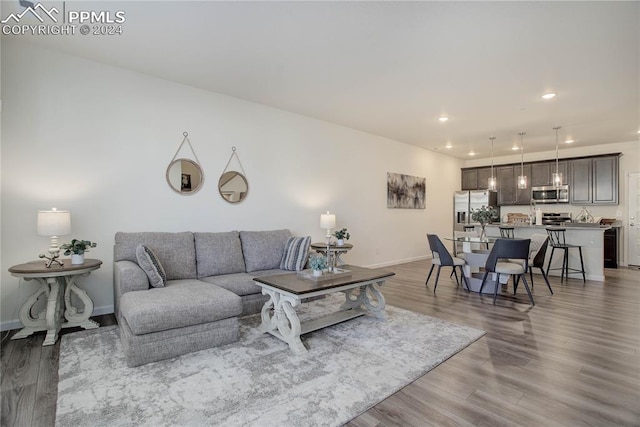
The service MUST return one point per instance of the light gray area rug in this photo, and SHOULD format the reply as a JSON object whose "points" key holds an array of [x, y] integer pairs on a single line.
{"points": [[257, 381]]}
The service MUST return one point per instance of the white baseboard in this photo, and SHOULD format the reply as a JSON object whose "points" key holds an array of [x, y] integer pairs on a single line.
{"points": [[10, 325], [99, 311]]}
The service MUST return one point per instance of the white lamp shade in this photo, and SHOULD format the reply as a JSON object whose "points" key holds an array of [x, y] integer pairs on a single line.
{"points": [[54, 223], [327, 220]]}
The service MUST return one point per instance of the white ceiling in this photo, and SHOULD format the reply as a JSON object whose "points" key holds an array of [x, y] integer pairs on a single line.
{"points": [[392, 68]]}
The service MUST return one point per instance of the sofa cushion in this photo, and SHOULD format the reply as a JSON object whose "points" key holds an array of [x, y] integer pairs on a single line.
{"points": [[148, 261], [263, 250], [180, 303], [296, 253], [238, 283], [218, 253], [175, 251]]}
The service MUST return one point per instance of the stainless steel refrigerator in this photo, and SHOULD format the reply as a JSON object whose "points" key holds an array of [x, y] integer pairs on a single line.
{"points": [[465, 201]]}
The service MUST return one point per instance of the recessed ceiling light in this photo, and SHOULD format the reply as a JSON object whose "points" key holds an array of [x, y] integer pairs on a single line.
{"points": [[515, 148], [568, 141], [549, 95], [448, 145], [443, 118], [471, 153]]}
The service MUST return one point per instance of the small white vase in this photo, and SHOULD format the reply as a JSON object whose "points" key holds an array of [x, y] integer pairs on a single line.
{"points": [[77, 259], [317, 273], [340, 242]]}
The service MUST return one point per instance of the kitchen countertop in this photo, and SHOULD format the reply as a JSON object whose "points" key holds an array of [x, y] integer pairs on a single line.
{"points": [[590, 238], [575, 226]]}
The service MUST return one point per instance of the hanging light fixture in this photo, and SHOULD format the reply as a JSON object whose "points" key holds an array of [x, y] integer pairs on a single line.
{"points": [[522, 178], [492, 184], [556, 178]]}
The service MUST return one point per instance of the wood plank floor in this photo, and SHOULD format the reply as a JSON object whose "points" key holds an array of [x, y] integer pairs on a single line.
{"points": [[572, 360]]}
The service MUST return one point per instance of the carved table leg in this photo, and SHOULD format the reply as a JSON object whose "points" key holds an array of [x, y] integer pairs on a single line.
{"points": [[283, 322], [363, 298], [33, 324], [71, 313], [54, 311]]}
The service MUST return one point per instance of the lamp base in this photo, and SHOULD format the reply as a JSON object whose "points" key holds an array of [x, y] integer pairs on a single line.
{"points": [[53, 259]]}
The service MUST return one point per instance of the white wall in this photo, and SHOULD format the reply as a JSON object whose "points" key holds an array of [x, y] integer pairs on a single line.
{"points": [[97, 139], [629, 163]]}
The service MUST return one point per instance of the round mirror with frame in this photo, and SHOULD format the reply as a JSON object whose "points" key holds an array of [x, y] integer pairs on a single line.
{"points": [[185, 176], [233, 186]]}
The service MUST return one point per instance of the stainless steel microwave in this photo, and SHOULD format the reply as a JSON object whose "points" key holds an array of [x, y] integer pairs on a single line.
{"points": [[550, 194]]}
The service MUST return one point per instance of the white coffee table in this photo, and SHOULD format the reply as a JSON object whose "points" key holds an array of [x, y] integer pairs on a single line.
{"points": [[286, 291]]}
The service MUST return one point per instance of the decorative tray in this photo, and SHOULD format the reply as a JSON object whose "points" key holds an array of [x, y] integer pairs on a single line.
{"points": [[338, 273]]}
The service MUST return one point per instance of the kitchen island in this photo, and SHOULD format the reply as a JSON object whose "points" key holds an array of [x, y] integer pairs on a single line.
{"points": [[591, 238]]}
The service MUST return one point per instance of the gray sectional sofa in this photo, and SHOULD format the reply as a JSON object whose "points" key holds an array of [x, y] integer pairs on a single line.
{"points": [[208, 286]]}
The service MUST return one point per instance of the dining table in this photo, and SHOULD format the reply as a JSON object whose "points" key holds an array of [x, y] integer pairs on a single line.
{"points": [[475, 253]]}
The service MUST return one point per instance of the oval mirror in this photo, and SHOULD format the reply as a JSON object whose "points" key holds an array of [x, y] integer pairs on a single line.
{"points": [[233, 186], [184, 176]]}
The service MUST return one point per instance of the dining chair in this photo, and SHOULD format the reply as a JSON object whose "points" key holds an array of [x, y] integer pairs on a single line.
{"points": [[509, 256], [537, 253], [442, 258]]}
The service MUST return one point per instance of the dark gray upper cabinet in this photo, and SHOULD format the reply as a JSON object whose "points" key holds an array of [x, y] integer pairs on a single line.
{"points": [[483, 178], [605, 180], [581, 182], [594, 181], [542, 173], [506, 185], [469, 179], [508, 192], [475, 179]]}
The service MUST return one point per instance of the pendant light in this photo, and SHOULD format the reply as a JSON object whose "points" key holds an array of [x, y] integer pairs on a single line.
{"points": [[556, 178], [522, 178], [491, 183]]}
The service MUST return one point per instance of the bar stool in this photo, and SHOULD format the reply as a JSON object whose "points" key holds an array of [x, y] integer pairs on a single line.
{"points": [[506, 232], [557, 241]]}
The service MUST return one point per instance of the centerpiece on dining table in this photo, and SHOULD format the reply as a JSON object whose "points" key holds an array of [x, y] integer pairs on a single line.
{"points": [[484, 216]]}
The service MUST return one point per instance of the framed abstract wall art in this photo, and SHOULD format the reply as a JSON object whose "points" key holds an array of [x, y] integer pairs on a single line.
{"points": [[405, 191]]}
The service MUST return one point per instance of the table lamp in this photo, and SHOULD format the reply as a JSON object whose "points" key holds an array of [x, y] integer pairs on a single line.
{"points": [[328, 221], [53, 223]]}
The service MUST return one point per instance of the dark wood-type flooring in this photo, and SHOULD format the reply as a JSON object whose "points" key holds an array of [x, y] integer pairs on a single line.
{"points": [[572, 360]]}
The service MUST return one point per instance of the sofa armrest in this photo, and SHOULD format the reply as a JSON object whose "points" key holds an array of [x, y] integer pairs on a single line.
{"points": [[127, 277]]}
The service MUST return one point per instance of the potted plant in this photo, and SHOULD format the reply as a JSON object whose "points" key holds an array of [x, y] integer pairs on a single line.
{"points": [[342, 235], [76, 249], [484, 215], [317, 264]]}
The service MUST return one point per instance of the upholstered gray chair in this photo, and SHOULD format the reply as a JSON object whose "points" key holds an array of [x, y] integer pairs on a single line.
{"points": [[442, 257], [509, 256]]}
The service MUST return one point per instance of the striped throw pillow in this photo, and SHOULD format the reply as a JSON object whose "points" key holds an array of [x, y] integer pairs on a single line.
{"points": [[148, 261], [296, 253]]}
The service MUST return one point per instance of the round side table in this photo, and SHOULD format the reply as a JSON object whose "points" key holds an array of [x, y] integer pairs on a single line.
{"points": [[57, 283], [334, 251]]}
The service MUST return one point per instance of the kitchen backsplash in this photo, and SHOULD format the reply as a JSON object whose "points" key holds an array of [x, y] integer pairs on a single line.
{"points": [[574, 210]]}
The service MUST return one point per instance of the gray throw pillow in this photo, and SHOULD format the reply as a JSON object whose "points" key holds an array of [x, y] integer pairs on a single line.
{"points": [[148, 261], [296, 253]]}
